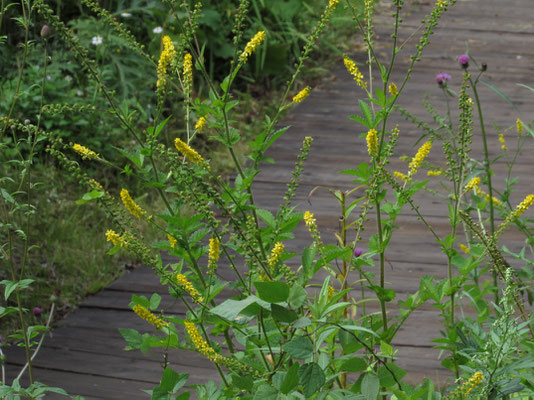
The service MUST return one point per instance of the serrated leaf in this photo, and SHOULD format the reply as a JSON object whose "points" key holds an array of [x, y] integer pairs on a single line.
{"points": [[367, 113], [297, 296], [291, 380], [312, 378], [272, 292], [370, 386], [282, 314], [299, 347], [267, 217]]}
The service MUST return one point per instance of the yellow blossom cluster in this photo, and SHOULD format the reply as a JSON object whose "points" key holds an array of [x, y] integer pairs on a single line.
{"points": [[301, 96], [172, 240], [202, 346], [85, 152], [188, 72], [494, 199], [502, 140], [165, 59], [213, 255], [331, 292], [276, 252], [421, 154], [401, 176], [473, 184], [441, 3], [332, 4], [309, 219], [189, 288], [251, 46], [188, 152], [355, 72], [311, 223], [149, 316], [393, 89], [372, 142], [201, 123], [436, 172], [464, 390], [464, 248], [115, 238], [131, 205]]}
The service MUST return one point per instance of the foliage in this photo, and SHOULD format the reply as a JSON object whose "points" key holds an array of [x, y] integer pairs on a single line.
{"points": [[294, 327]]}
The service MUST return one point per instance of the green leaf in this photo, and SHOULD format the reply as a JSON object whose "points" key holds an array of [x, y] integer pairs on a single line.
{"points": [[354, 364], [367, 113], [312, 378], [155, 299], [230, 309], [132, 337], [242, 382], [275, 136], [308, 255], [300, 347], [291, 379], [266, 392], [386, 348], [282, 314], [370, 386], [267, 217], [272, 292], [172, 381], [385, 376], [297, 296]]}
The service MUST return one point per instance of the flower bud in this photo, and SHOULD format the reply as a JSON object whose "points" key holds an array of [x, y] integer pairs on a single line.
{"points": [[463, 60], [484, 66], [37, 311], [45, 31]]}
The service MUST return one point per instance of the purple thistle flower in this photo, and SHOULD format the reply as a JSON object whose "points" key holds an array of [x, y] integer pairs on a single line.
{"points": [[37, 311], [358, 252], [463, 60], [442, 78]]}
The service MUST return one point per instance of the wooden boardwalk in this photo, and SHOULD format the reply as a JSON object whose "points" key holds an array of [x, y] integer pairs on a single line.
{"points": [[85, 353]]}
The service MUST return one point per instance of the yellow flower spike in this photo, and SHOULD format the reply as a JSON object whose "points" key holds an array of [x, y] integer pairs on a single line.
{"points": [[472, 184], [331, 292], [393, 89], [201, 123], [421, 154], [276, 252], [309, 219], [188, 152], [213, 255], [202, 346], [434, 173], [520, 127], [114, 237], [495, 200], [85, 152], [165, 59], [172, 240], [131, 205], [502, 140], [464, 248], [372, 142], [188, 71], [441, 3], [355, 72], [149, 316], [189, 288], [401, 176], [252, 45], [301, 96], [332, 4]]}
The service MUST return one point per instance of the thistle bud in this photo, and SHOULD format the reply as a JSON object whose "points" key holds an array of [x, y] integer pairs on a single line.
{"points": [[484, 66], [45, 31]]}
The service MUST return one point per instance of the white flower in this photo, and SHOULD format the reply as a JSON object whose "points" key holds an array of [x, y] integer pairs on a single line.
{"points": [[157, 29], [126, 15], [79, 93], [96, 40], [68, 78]]}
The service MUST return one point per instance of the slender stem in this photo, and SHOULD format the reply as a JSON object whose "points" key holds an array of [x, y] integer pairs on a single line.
{"points": [[487, 167]]}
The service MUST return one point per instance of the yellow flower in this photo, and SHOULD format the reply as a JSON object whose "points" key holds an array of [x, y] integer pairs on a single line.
{"points": [[131, 205], [200, 124], [309, 219], [166, 58], [85, 152], [393, 89], [114, 237], [523, 206], [188, 71], [472, 184], [213, 254], [355, 72], [441, 3], [172, 240], [520, 127], [331, 292], [434, 173], [149, 317], [401, 176], [188, 152], [503, 141], [189, 288], [301, 96], [276, 252], [422, 153], [202, 346], [332, 4], [495, 200], [464, 248], [251, 46], [372, 143]]}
